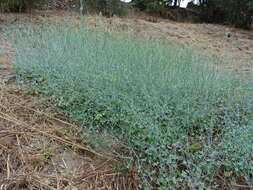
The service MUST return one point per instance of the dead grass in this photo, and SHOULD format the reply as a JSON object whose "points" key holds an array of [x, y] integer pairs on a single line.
{"points": [[41, 149]]}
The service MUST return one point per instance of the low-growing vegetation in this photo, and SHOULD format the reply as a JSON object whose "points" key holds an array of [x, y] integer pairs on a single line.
{"points": [[189, 125]]}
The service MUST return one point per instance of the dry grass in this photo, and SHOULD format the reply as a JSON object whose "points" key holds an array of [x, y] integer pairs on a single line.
{"points": [[41, 149]]}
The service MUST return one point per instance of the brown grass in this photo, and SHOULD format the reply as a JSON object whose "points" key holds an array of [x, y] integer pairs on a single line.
{"points": [[41, 149]]}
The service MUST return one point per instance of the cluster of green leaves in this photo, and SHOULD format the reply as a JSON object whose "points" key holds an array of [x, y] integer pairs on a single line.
{"points": [[188, 124]]}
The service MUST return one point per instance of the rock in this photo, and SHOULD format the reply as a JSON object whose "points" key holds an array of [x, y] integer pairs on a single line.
{"points": [[228, 34], [3, 67], [11, 79]]}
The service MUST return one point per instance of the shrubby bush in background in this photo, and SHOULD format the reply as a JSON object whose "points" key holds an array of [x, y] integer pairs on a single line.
{"points": [[235, 12], [106, 7], [17, 5]]}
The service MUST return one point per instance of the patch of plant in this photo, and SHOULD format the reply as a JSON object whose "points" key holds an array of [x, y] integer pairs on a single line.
{"points": [[188, 124]]}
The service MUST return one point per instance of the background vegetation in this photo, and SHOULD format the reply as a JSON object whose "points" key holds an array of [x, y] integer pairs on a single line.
{"points": [[234, 12], [237, 13], [189, 125], [17, 5], [106, 7]]}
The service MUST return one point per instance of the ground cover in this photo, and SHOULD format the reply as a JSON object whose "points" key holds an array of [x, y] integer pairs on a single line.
{"points": [[188, 124]]}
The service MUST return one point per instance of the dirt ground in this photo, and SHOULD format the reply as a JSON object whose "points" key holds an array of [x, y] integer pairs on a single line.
{"points": [[41, 149]]}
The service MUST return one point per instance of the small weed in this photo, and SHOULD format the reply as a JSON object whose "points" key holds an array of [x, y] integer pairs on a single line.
{"points": [[48, 154]]}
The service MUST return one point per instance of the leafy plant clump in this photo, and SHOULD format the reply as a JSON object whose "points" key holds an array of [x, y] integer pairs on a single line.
{"points": [[188, 124]]}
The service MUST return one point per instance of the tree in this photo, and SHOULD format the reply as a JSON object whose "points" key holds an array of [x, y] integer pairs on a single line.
{"points": [[234, 12], [175, 3], [81, 6]]}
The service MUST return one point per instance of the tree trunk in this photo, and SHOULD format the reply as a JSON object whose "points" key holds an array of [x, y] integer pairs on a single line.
{"points": [[81, 6], [175, 3]]}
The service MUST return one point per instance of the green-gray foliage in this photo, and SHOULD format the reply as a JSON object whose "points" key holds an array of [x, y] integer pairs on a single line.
{"points": [[188, 124]]}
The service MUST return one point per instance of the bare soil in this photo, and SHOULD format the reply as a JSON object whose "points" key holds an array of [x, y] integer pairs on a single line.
{"points": [[42, 149]]}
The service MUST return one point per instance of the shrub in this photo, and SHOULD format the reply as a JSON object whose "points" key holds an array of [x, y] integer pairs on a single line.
{"points": [[188, 124], [236, 13], [17, 5], [156, 7], [106, 7]]}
